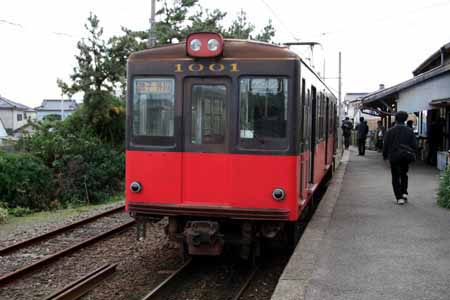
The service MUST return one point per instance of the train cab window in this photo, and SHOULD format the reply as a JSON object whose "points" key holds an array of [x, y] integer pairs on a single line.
{"points": [[153, 111], [263, 112], [208, 114]]}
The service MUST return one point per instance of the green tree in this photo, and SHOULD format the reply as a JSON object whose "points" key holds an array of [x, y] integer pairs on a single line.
{"points": [[267, 33], [241, 28], [185, 16], [120, 47], [100, 72], [95, 70]]}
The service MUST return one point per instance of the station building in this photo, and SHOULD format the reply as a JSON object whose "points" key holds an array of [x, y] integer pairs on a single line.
{"points": [[427, 96]]}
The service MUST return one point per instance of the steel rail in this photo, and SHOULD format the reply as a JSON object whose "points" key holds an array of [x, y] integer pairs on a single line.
{"points": [[83, 285], [163, 288], [44, 236], [245, 284], [46, 260], [156, 292]]}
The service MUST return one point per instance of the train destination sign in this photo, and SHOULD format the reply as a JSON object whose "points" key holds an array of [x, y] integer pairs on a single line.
{"points": [[153, 86]]}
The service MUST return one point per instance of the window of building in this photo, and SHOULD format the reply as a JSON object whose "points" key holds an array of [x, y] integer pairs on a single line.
{"points": [[19, 117]]}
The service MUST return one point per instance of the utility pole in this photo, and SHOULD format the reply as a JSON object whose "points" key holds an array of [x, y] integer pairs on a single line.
{"points": [[62, 106], [340, 104], [151, 36]]}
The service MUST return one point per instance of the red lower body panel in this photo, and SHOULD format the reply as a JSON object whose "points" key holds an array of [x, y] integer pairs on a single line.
{"points": [[210, 181]]}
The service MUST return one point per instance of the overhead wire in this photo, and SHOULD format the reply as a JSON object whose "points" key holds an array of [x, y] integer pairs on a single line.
{"points": [[280, 20], [24, 28], [386, 18]]}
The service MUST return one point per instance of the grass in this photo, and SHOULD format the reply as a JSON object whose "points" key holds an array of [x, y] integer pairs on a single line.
{"points": [[443, 195], [45, 216]]}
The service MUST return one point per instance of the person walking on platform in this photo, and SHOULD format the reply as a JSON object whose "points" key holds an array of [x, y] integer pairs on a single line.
{"points": [[380, 136], [400, 148], [347, 127], [361, 133]]}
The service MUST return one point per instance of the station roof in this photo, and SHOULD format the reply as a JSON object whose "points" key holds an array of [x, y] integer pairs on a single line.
{"points": [[393, 90], [433, 61]]}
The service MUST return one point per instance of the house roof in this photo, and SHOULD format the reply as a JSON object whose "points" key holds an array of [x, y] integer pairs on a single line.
{"points": [[55, 104], [391, 91], [433, 61], [9, 104]]}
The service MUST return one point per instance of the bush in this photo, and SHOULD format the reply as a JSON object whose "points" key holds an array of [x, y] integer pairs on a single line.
{"points": [[444, 189], [86, 169], [3, 215], [85, 152], [25, 181], [20, 211], [91, 173]]}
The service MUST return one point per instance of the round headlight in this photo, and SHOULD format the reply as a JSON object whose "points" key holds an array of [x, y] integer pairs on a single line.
{"points": [[195, 45], [213, 45], [278, 194], [135, 187]]}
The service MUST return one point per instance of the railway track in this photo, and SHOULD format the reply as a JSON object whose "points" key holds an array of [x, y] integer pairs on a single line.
{"points": [[80, 287], [27, 256], [203, 280]]}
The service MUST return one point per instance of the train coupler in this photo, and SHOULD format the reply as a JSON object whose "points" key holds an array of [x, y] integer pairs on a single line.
{"points": [[203, 238]]}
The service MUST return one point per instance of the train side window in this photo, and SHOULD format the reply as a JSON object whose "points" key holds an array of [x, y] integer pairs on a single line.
{"points": [[263, 112], [153, 111]]}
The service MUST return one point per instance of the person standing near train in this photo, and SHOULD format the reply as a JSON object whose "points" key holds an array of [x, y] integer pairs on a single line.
{"points": [[347, 127], [361, 133], [400, 149]]}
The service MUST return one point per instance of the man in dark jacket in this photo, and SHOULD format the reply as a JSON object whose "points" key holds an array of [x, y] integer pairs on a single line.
{"points": [[361, 134], [397, 140], [347, 127]]}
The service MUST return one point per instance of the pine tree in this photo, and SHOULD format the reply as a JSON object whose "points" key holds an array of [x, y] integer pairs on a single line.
{"points": [[94, 71]]}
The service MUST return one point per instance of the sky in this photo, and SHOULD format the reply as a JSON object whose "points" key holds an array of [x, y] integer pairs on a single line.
{"points": [[381, 41]]}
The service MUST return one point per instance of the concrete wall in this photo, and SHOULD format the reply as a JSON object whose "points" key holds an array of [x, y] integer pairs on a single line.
{"points": [[18, 124], [418, 97], [7, 117]]}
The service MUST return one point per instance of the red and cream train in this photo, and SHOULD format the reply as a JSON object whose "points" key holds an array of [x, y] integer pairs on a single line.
{"points": [[228, 138]]}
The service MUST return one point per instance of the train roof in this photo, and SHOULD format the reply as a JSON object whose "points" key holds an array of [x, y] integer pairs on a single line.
{"points": [[233, 49]]}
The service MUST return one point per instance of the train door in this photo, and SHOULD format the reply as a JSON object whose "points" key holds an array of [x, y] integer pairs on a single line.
{"points": [[313, 123], [303, 138], [205, 172], [327, 124]]}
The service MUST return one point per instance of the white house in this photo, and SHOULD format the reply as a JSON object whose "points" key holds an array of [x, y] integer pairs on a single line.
{"points": [[14, 115], [56, 107]]}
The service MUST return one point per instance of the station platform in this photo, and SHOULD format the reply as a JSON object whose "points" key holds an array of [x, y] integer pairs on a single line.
{"points": [[361, 245]]}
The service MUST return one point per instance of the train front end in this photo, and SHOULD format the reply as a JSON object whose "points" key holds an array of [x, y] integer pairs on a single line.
{"points": [[211, 141]]}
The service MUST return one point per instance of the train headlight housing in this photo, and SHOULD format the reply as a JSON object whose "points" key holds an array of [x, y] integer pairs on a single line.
{"points": [[213, 45], [204, 44], [195, 45], [278, 194], [135, 187]]}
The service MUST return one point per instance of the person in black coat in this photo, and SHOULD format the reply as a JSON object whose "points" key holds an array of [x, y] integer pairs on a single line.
{"points": [[397, 140], [347, 127], [361, 134]]}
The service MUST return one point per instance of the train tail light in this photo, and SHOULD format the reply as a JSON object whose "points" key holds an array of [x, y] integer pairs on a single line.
{"points": [[204, 44]]}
